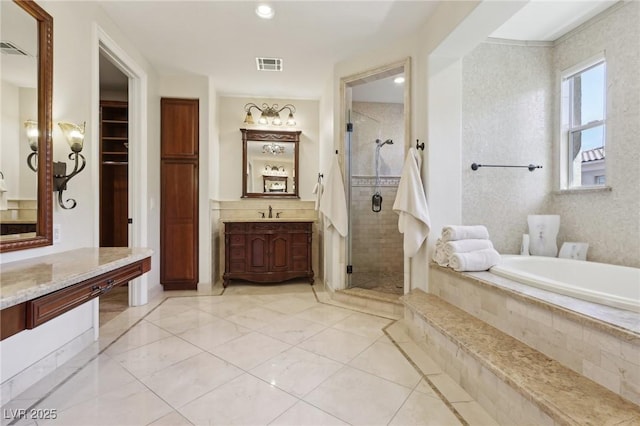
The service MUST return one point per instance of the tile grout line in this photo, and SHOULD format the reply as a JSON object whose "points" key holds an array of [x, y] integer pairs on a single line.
{"points": [[77, 371], [425, 377]]}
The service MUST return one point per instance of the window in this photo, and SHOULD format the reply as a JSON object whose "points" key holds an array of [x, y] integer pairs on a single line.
{"points": [[583, 124]]}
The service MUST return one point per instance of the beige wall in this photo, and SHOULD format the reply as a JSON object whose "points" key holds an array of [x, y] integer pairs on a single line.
{"points": [[231, 119]]}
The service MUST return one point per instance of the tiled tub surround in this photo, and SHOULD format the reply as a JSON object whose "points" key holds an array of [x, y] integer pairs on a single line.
{"points": [[514, 383], [597, 341]]}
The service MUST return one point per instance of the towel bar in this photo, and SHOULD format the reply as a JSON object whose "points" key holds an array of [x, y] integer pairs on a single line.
{"points": [[531, 167]]}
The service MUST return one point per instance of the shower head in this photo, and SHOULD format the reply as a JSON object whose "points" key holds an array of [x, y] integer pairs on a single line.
{"points": [[380, 143]]}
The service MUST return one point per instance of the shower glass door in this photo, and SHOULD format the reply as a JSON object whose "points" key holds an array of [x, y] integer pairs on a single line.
{"points": [[373, 172]]}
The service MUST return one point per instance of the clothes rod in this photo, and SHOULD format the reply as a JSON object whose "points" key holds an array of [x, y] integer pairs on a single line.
{"points": [[531, 167]]}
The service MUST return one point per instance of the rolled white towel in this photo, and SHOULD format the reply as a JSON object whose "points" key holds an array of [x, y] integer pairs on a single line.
{"points": [[464, 232], [479, 260], [439, 256], [465, 246]]}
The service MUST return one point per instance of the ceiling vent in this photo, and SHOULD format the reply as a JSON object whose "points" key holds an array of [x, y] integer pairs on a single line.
{"points": [[269, 64], [9, 48]]}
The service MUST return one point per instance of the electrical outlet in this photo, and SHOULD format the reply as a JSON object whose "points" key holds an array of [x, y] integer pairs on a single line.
{"points": [[57, 233]]}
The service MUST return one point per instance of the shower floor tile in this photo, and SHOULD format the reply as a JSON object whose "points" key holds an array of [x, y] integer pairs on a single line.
{"points": [[384, 282]]}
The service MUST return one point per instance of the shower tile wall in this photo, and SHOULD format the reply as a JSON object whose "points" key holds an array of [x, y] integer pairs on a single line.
{"points": [[377, 242], [377, 120]]}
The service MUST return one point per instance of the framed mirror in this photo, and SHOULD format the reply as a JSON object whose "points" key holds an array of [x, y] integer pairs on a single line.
{"points": [[27, 86], [270, 163]]}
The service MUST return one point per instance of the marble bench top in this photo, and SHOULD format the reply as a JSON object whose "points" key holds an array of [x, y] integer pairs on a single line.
{"points": [[566, 396], [31, 278]]}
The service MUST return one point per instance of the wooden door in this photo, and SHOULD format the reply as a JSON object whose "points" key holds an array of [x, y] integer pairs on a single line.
{"points": [[179, 194]]}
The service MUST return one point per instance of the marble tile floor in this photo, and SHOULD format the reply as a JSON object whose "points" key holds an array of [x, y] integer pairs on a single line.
{"points": [[113, 303], [255, 355]]}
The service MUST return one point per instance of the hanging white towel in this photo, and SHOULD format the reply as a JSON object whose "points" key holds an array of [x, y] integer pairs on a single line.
{"points": [[411, 204], [318, 189], [3, 194], [333, 204]]}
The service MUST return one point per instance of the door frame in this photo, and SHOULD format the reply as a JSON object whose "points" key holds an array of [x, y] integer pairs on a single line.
{"points": [[345, 141], [138, 188]]}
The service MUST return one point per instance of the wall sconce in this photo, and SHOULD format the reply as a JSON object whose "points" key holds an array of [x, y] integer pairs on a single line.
{"points": [[75, 138], [269, 113], [31, 128]]}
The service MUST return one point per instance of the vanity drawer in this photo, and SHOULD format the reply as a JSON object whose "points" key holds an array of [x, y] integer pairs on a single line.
{"points": [[47, 307]]}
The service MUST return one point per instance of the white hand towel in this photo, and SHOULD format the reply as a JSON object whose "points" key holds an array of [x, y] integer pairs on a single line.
{"points": [[411, 205], [439, 255], [318, 189], [3, 195], [465, 246], [461, 232], [333, 203], [479, 260]]}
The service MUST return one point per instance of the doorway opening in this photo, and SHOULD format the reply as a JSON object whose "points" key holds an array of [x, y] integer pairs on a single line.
{"points": [[377, 137], [114, 174]]}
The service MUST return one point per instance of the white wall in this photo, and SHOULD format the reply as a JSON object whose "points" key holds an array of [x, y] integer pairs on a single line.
{"points": [[453, 30], [10, 163], [74, 98], [73, 101]]}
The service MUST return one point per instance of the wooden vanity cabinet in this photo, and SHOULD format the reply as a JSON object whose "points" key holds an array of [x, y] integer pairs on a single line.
{"points": [[267, 252]]}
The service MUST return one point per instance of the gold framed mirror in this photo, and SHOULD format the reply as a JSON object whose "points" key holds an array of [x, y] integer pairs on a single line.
{"points": [[40, 24], [270, 163]]}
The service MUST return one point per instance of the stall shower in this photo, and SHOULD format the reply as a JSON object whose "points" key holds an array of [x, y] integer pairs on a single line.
{"points": [[375, 165]]}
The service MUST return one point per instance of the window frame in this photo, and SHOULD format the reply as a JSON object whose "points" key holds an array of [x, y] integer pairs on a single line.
{"points": [[567, 128]]}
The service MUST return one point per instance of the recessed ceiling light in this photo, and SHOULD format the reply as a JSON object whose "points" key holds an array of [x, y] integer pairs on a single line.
{"points": [[398, 80], [265, 11]]}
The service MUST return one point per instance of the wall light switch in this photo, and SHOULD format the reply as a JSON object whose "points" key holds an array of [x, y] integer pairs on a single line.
{"points": [[57, 233]]}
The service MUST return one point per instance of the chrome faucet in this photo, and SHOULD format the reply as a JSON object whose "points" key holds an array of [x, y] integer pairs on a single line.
{"points": [[270, 212]]}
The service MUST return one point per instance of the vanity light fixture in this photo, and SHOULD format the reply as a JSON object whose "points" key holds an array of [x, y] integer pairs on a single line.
{"points": [[265, 11], [273, 149], [75, 138], [269, 113], [32, 137]]}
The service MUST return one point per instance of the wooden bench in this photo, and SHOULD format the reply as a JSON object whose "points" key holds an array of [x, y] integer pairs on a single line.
{"points": [[564, 395]]}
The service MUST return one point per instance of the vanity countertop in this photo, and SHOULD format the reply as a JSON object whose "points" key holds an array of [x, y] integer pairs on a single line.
{"points": [[19, 221], [274, 219], [28, 279]]}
